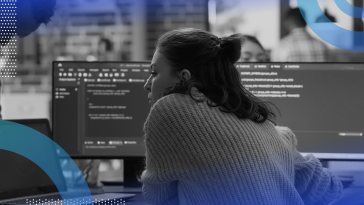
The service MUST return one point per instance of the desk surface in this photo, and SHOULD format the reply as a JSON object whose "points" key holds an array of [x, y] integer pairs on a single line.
{"points": [[121, 189], [353, 195], [139, 199]]}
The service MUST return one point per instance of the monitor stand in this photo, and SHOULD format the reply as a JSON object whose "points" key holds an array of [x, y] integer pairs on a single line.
{"points": [[324, 163], [133, 168]]}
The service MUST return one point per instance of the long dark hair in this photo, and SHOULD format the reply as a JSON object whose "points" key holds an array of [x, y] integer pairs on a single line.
{"points": [[210, 60]]}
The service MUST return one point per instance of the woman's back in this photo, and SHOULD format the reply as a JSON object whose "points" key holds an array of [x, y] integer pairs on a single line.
{"points": [[212, 157]]}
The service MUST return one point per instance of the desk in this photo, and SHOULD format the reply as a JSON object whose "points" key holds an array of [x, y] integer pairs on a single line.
{"points": [[351, 195], [137, 200], [121, 189]]}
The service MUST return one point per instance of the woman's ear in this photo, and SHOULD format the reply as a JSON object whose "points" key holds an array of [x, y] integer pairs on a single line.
{"points": [[185, 74]]}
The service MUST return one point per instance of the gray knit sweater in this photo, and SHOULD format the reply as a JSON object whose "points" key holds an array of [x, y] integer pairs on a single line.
{"points": [[197, 154]]}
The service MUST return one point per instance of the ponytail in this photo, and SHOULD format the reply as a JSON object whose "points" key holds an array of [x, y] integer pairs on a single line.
{"points": [[231, 48]]}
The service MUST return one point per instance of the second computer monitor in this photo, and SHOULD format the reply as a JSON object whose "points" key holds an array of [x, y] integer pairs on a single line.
{"points": [[323, 103]]}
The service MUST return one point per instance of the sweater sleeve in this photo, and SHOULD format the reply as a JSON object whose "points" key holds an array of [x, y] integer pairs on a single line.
{"points": [[316, 184], [162, 157]]}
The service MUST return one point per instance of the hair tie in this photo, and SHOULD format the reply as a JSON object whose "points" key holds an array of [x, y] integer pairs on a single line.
{"points": [[219, 42]]}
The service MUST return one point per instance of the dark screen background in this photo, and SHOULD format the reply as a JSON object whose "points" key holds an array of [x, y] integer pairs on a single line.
{"points": [[99, 108], [330, 102]]}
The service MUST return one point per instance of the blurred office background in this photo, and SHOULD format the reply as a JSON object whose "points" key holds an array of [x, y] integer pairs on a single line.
{"points": [[127, 30], [90, 30]]}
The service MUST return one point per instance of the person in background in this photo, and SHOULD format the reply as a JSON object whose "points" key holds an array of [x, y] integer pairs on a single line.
{"points": [[299, 45], [251, 49], [326, 17], [210, 141], [30, 14], [105, 50]]}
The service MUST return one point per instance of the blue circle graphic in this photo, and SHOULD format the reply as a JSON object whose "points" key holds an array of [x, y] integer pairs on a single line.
{"points": [[326, 31], [349, 9], [38, 148]]}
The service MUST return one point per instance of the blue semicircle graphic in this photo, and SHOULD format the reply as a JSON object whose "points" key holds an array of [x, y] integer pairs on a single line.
{"points": [[349, 9], [37, 147], [330, 32]]}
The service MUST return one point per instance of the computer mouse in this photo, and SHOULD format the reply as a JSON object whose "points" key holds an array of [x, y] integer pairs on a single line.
{"points": [[351, 199]]}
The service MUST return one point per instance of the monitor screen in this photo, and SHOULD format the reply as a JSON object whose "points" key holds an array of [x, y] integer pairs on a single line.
{"points": [[322, 103], [99, 108]]}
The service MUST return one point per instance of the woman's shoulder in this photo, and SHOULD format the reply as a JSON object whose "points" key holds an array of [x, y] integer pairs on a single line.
{"points": [[176, 101], [169, 111], [175, 105], [172, 98], [287, 134]]}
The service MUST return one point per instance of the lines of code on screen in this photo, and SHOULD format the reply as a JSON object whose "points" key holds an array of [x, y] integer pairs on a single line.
{"points": [[319, 102], [100, 107]]}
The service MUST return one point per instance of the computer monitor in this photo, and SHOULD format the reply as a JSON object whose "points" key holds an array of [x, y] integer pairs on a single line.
{"points": [[323, 103], [41, 125], [99, 108]]}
